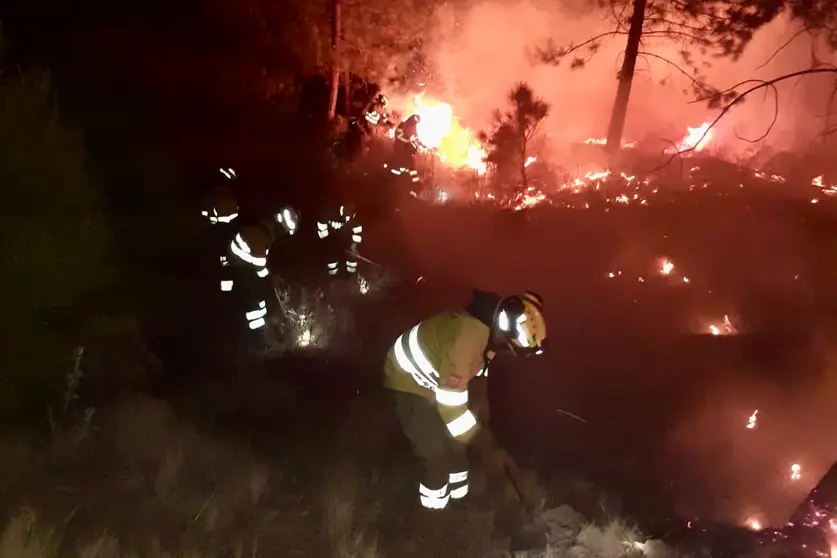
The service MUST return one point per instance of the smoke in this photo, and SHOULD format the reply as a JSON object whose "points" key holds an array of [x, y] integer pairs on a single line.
{"points": [[481, 51]]}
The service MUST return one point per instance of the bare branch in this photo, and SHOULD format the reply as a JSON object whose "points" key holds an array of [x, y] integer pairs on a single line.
{"points": [[673, 65], [740, 97], [783, 47]]}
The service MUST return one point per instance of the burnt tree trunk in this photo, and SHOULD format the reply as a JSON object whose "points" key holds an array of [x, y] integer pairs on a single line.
{"points": [[335, 58], [626, 78]]}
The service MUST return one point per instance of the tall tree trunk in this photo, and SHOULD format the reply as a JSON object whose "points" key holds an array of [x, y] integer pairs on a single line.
{"points": [[626, 78], [335, 58]]}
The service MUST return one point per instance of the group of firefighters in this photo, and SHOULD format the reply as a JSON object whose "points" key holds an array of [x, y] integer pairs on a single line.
{"points": [[431, 367], [377, 123], [243, 246]]}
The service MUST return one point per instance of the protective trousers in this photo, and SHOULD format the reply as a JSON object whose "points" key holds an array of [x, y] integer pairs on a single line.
{"points": [[250, 291], [443, 459], [403, 162]]}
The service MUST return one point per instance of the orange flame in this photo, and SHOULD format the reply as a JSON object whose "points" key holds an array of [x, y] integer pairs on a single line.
{"points": [[697, 138], [440, 131]]}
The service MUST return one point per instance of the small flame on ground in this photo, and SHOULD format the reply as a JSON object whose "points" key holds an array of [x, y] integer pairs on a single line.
{"points": [[753, 524], [666, 267], [724, 328], [304, 339], [796, 472], [752, 421]]}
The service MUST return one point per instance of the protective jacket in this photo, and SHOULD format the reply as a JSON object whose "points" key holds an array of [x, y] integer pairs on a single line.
{"points": [[247, 252], [250, 248], [221, 207], [436, 359]]}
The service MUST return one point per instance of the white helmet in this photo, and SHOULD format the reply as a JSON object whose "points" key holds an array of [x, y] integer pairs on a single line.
{"points": [[521, 321], [289, 219]]}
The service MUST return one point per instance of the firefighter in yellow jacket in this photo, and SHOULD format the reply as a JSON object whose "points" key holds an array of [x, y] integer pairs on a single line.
{"points": [[429, 369]]}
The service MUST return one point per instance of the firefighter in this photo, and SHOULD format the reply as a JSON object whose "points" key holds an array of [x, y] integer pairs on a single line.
{"points": [[429, 369], [222, 211], [403, 162], [223, 207], [340, 233], [375, 114], [246, 272]]}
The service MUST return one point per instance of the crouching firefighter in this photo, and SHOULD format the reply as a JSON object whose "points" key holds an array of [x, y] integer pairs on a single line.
{"points": [[403, 161], [246, 273], [340, 233], [430, 367]]}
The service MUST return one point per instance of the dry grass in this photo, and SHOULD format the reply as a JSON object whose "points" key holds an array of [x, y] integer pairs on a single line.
{"points": [[168, 487]]}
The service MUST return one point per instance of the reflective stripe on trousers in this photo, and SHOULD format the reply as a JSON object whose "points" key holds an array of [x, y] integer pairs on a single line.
{"points": [[434, 498], [411, 359], [334, 267], [256, 318], [458, 484]]}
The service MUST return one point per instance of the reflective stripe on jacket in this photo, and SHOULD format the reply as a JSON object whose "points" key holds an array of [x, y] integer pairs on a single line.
{"points": [[436, 359]]}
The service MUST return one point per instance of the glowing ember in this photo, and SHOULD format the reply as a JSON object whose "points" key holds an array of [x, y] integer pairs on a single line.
{"points": [[796, 472], [666, 267], [363, 285], [530, 198], [697, 138], [603, 141], [819, 182], [529, 161], [752, 421], [440, 131]]}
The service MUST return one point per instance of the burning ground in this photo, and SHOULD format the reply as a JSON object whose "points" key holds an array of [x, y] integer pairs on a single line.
{"points": [[689, 379]]}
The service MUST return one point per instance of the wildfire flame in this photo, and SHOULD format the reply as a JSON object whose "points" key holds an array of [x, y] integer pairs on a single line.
{"points": [[753, 420], [440, 131], [796, 472], [696, 139]]}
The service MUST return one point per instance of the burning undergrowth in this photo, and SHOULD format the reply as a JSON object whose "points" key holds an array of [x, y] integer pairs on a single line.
{"points": [[459, 164], [321, 317]]}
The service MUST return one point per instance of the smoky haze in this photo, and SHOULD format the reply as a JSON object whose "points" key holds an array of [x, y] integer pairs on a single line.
{"points": [[661, 401], [481, 51]]}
